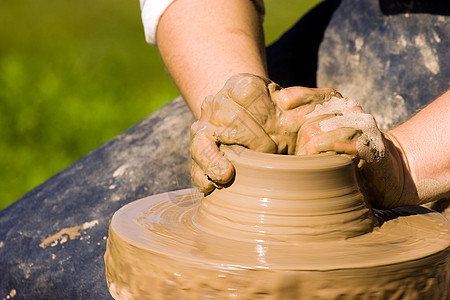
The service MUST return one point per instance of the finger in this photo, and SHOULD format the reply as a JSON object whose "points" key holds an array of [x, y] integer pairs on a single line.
{"points": [[296, 96], [357, 120], [310, 129], [206, 154], [341, 140], [247, 137], [245, 87], [200, 180], [293, 119], [370, 144], [336, 106], [251, 92], [234, 125]]}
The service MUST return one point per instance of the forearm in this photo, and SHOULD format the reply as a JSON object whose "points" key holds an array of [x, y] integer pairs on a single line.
{"points": [[204, 47], [424, 141]]}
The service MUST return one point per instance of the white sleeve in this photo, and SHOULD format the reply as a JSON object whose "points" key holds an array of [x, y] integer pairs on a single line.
{"points": [[152, 10]]}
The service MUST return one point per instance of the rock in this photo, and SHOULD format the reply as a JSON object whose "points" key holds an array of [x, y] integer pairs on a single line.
{"points": [[53, 239], [393, 61]]}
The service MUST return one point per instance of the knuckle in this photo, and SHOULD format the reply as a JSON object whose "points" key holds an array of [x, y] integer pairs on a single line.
{"points": [[285, 100], [245, 87]]}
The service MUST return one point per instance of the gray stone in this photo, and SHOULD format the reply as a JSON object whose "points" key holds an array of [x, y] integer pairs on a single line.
{"points": [[150, 158], [393, 64]]}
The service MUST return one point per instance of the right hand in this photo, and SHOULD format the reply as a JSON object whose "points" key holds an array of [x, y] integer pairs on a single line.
{"points": [[342, 126], [251, 111]]}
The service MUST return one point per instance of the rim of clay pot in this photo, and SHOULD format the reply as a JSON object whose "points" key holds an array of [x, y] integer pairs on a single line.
{"points": [[322, 161]]}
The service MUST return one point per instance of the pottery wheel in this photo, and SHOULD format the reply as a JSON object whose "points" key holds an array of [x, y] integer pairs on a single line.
{"points": [[157, 237], [159, 247]]}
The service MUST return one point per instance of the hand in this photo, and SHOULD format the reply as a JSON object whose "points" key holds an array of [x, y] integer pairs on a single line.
{"points": [[342, 126], [251, 111]]}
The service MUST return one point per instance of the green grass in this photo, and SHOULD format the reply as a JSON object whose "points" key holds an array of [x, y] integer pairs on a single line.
{"points": [[74, 74]]}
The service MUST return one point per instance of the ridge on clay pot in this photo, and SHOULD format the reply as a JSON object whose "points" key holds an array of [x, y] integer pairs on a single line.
{"points": [[288, 227]]}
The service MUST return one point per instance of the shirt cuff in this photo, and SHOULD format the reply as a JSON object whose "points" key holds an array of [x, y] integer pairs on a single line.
{"points": [[152, 10]]}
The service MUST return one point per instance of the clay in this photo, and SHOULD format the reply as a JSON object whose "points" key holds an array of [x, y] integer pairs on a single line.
{"points": [[288, 227], [66, 233]]}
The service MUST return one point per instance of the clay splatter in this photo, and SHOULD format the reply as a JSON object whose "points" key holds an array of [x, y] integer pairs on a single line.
{"points": [[120, 171], [66, 233], [11, 294]]}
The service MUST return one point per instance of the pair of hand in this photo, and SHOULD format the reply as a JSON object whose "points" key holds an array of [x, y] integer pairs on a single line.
{"points": [[257, 113]]}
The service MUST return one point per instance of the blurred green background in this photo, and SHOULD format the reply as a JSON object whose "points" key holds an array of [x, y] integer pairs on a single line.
{"points": [[74, 74]]}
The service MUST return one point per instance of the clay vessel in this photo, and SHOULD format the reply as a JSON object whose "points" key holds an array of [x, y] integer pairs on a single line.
{"points": [[288, 227]]}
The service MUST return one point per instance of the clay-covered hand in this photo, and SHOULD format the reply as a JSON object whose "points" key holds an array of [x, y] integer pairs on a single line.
{"points": [[341, 125], [251, 111]]}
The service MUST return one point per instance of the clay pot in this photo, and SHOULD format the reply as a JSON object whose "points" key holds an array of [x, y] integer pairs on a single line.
{"points": [[288, 227], [287, 198]]}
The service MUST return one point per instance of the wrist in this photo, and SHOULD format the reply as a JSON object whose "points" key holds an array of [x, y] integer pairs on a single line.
{"points": [[388, 181], [406, 193]]}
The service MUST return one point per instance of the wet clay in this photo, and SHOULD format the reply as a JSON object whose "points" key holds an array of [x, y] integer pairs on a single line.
{"points": [[66, 233], [288, 227]]}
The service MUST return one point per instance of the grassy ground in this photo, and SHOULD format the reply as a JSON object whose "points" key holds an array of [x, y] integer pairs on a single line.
{"points": [[74, 74]]}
